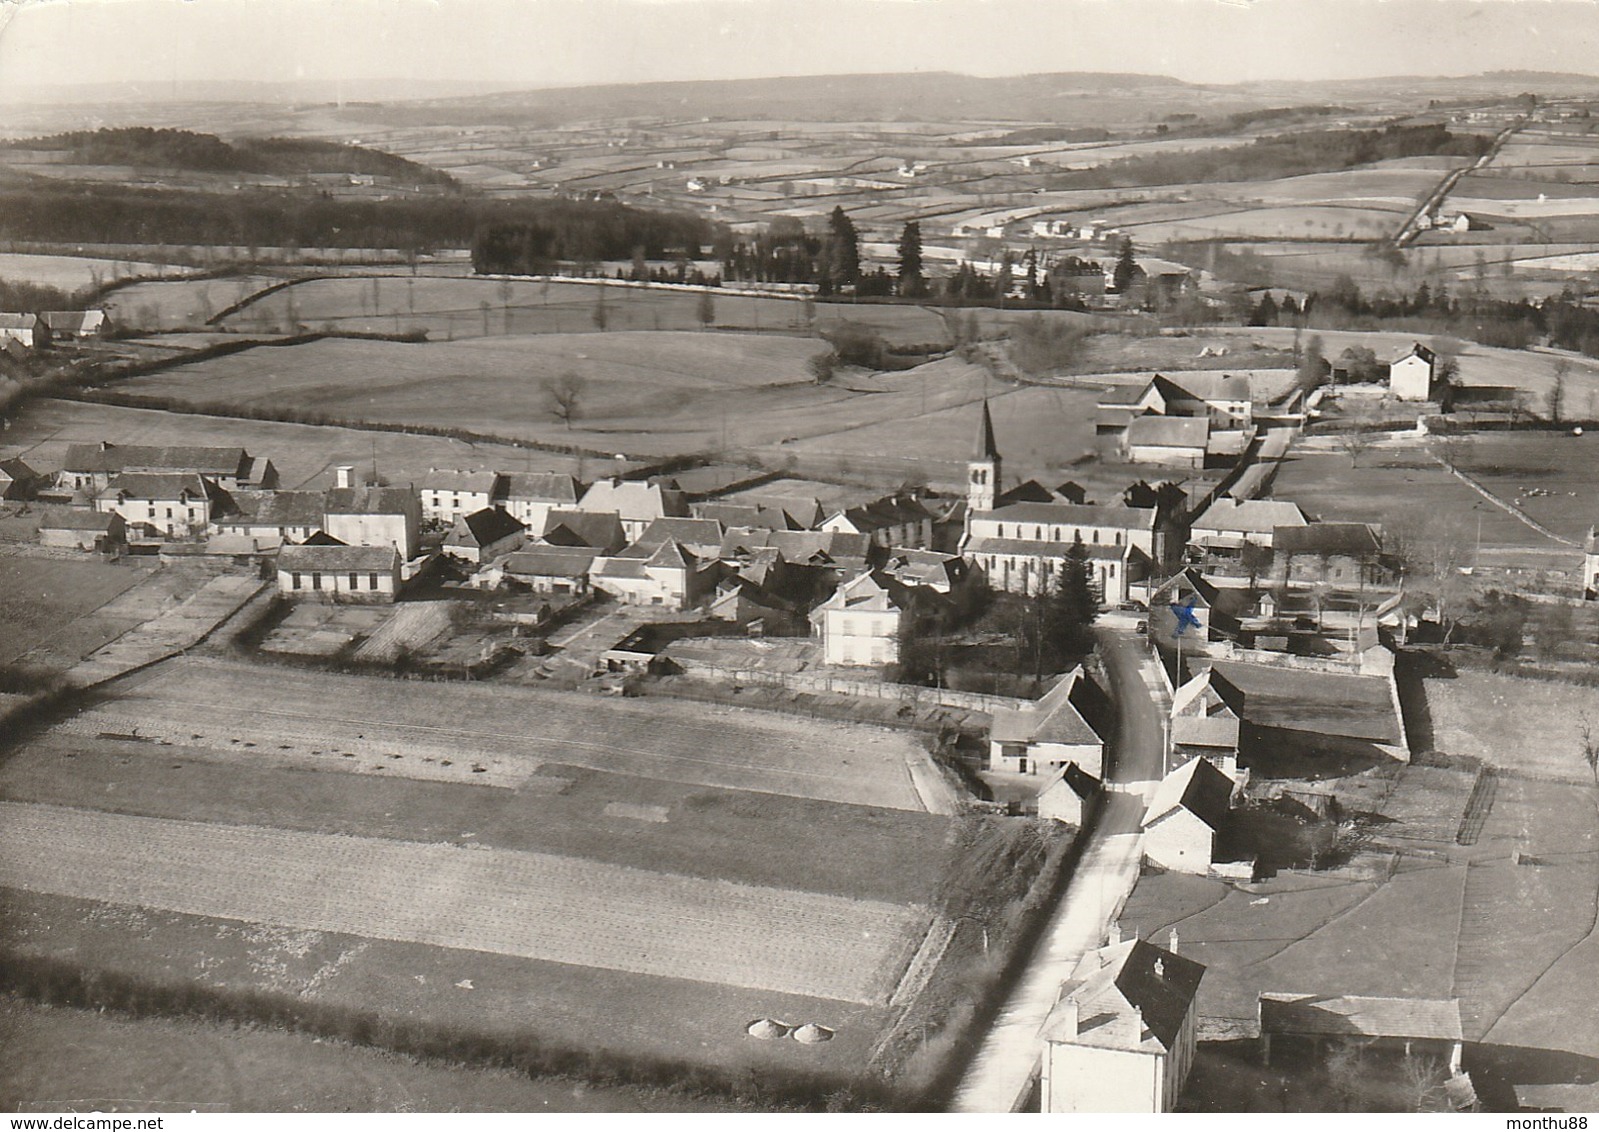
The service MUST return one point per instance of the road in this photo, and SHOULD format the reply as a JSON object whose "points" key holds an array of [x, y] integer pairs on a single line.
{"points": [[1001, 1075], [1435, 199]]}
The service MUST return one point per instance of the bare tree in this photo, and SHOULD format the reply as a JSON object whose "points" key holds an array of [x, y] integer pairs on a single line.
{"points": [[821, 366], [1556, 397], [565, 396], [1590, 748], [602, 313], [1425, 1078], [705, 309], [1355, 442], [483, 306]]}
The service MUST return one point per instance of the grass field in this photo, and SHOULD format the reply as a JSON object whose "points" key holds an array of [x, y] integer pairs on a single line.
{"points": [[1514, 465], [180, 304], [1512, 723], [41, 597], [305, 455], [537, 906], [71, 273], [64, 1060], [508, 732]]}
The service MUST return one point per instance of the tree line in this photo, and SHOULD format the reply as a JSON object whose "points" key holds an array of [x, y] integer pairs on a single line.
{"points": [[585, 230]]}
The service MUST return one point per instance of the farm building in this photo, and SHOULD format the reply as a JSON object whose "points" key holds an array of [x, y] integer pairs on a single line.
{"points": [[484, 535], [1121, 1035], [1422, 1025], [894, 520], [370, 515], [1316, 718], [449, 495], [1176, 441], [562, 570], [1332, 554], [1231, 524], [1189, 808], [597, 530], [280, 516], [333, 572], [636, 503], [75, 324], [1205, 722], [17, 480], [93, 466], [859, 624], [529, 497], [1067, 795], [23, 329], [83, 530], [173, 504], [668, 576], [1410, 378], [1064, 726]]}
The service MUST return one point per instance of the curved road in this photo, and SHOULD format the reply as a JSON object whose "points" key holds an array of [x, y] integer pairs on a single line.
{"points": [[1000, 1076]]}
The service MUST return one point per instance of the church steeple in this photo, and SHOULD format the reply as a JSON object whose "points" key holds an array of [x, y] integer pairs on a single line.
{"points": [[983, 469]]}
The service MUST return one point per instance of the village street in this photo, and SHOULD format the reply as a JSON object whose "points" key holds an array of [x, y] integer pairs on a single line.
{"points": [[1000, 1076]]}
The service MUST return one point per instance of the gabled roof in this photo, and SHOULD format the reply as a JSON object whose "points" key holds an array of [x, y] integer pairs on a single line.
{"points": [[16, 469], [319, 558], [484, 527], [369, 500], [12, 321], [76, 520], [289, 509], [551, 562], [1073, 778], [1354, 539], [890, 511], [633, 500], [1309, 700], [1130, 995], [1417, 350], [73, 322], [1169, 432], [1360, 1016], [601, 530], [1057, 717], [539, 487], [1074, 514], [1252, 516], [157, 485], [869, 592], [1204, 385], [111, 458], [924, 567], [1196, 786], [671, 555], [702, 533]]}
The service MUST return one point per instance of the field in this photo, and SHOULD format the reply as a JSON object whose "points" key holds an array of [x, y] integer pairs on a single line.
{"points": [[42, 598], [1550, 475], [1532, 726], [63, 1060], [72, 273], [305, 455], [509, 733], [180, 304]]}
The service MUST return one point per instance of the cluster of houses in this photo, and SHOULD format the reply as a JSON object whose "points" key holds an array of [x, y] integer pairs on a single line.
{"points": [[23, 332]]}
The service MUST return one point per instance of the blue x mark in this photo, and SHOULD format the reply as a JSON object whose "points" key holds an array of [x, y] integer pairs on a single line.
{"points": [[1186, 618]]}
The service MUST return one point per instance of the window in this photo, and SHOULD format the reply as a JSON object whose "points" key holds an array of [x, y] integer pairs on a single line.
{"points": [[355, 580], [372, 581], [169, 512], [316, 581], [296, 581]]}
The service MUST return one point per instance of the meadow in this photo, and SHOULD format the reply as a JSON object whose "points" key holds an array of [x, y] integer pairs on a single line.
{"points": [[40, 598], [73, 273]]}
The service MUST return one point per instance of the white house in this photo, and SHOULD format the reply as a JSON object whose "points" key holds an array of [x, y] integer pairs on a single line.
{"points": [[1067, 794], [177, 504], [1174, 441], [332, 572], [24, 329], [1410, 377], [529, 497], [1188, 810], [83, 530], [75, 324], [558, 570], [1053, 732], [93, 466], [894, 520], [279, 517], [1205, 722], [859, 623], [449, 495], [1228, 523], [637, 503], [374, 516], [1121, 1035], [669, 576]]}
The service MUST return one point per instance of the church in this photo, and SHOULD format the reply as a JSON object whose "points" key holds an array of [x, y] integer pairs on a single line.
{"points": [[1020, 538]]}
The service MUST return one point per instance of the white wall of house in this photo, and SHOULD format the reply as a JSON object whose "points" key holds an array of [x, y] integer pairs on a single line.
{"points": [[377, 530], [532, 513], [1410, 378], [1180, 842], [1046, 758], [175, 518], [1061, 803], [339, 585], [1166, 454], [1079, 1078], [449, 505], [863, 637]]}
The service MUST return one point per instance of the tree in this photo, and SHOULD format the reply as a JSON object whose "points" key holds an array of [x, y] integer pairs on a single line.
{"points": [[1355, 442], [1126, 269], [1313, 367], [602, 313], [483, 308], [565, 396], [910, 259], [845, 260], [1557, 391], [1072, 607], [821, 366], [1361, 364], [705, 309], [1425, 1081]]}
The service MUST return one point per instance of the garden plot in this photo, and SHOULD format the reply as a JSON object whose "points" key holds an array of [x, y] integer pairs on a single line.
{"points": [[1513, 724], [531, 905]]}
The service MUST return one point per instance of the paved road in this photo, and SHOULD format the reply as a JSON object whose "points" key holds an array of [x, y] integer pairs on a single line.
{"points": [[1001, 1075]]}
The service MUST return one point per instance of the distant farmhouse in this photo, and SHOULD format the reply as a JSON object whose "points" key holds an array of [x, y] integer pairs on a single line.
{"points": [[1411, 376]]}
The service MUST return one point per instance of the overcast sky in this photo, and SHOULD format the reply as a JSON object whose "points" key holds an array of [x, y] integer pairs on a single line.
{"points": [[558, 42]]}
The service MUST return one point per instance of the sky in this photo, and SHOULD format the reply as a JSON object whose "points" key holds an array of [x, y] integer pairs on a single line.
{"points": [[564, 42]]}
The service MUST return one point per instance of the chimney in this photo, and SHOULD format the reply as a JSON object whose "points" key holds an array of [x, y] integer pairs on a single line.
{"points": [[1066, 1019], [342, 475], [1171, 945], [1115, 935]]}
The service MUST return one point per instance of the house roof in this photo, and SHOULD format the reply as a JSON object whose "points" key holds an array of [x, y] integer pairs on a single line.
{"points": [[1046, 548], [111, 458], [321, 558], [1196, 786], [869, 592], [1359, 1015], [1168, 432], [1252, 516], [889, 511], [1353, 539], [445, 479], [1074, 778], [76, 520], [1417, 350], [1131, 995], [703, 533], [1204, 385], [484, 527], [633, 500], [551, 561], [289, 509], [1057, 717], [73, 322], [540, 487], [924, 567], [10, 320], [157, 485], [621, 568], [601, 530], [1078, 514], [1314, 701], [16, 469], [369, 500]]}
